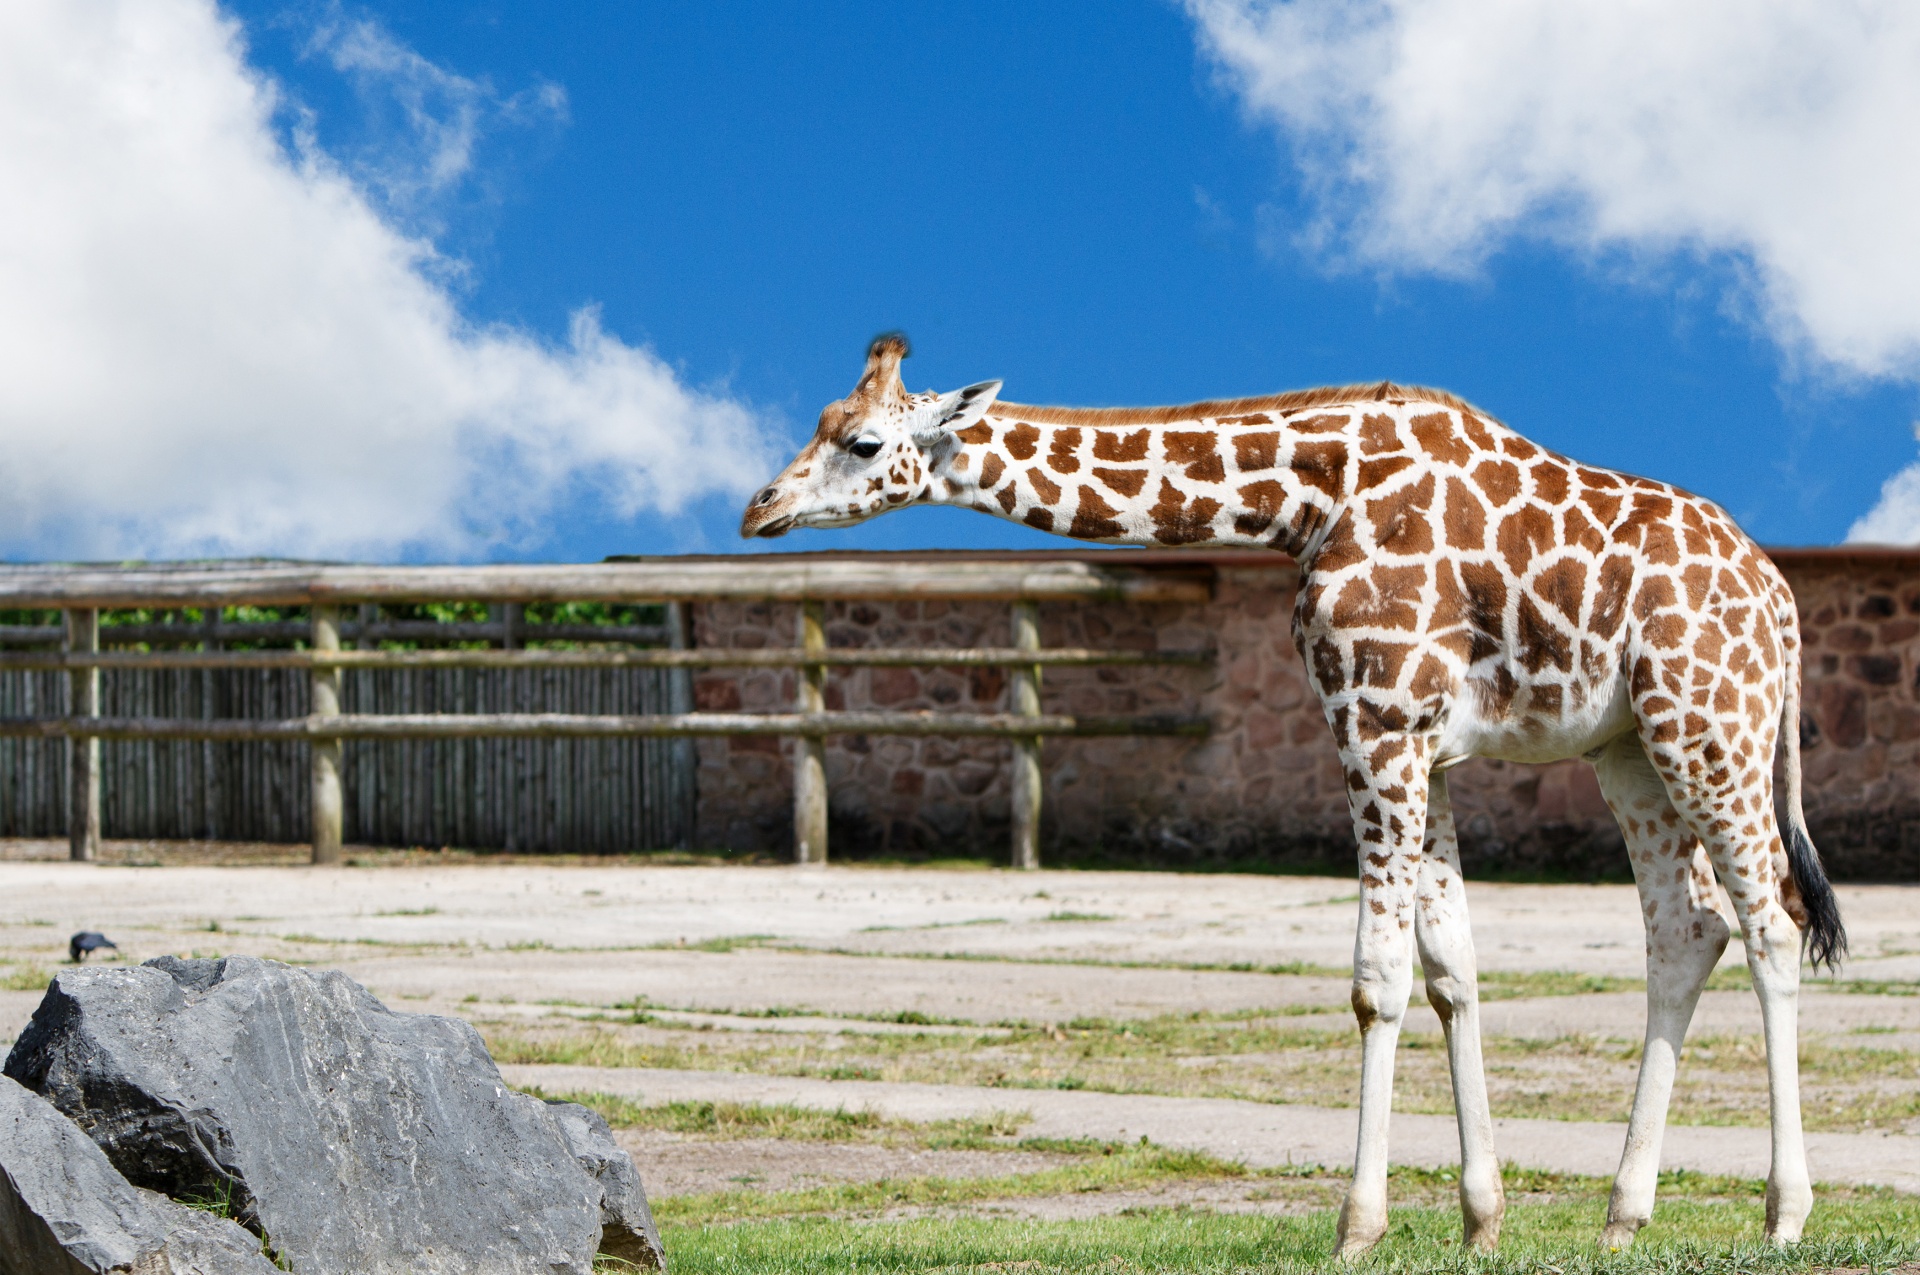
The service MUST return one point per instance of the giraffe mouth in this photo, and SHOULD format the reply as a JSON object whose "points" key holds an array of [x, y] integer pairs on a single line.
{"points": [[752, 529]]}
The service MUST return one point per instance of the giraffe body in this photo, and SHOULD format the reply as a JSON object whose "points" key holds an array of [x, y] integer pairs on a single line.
{"points": [[1463, 593]]}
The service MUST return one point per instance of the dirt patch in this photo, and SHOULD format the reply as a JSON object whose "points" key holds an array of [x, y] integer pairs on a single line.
{"points": [[675, 1164]]}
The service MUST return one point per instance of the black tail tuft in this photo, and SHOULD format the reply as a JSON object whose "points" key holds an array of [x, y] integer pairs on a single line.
{"points": [[1826, 938]]}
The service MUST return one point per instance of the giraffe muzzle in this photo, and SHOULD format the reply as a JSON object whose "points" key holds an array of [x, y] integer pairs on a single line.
{"points": [[762, 519]]}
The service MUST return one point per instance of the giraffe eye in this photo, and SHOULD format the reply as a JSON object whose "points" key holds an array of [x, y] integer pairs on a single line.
{"points": [[865, 448]]}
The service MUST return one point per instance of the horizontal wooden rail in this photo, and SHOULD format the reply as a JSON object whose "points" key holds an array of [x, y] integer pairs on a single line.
{"points": [[903, 657], [575, 726], [190, 634], [747, 579]]}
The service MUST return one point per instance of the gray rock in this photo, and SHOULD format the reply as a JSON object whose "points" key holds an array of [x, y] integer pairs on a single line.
{"points": [[65, 1210], [355, 1139], [626, 1223]]}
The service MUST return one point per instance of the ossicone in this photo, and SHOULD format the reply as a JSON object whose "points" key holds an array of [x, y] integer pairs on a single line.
{"points": [[882, 377], [889, 345]]}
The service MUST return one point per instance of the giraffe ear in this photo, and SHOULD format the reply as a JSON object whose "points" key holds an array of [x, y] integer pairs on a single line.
{"points": [[953, 412]]}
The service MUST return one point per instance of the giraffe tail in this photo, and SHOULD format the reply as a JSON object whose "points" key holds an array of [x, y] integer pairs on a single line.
{"points": [[1822, 934]]}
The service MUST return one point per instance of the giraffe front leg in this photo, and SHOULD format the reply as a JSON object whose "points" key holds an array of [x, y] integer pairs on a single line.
{"points": [[1387, 789], [1445, 939]]}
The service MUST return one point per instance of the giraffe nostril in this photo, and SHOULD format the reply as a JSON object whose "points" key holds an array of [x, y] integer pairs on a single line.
{"points": [[766, 497]]}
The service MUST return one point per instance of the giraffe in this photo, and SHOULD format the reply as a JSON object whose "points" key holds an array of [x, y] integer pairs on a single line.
{"points": [[1463, 593]]}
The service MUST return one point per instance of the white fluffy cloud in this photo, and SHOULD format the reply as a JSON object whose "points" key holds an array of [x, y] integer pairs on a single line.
{"points": [[1782, 136], [211, 344]]}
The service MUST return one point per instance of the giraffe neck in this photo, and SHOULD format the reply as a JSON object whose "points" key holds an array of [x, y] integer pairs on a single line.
{"points": [[1254, 481]]}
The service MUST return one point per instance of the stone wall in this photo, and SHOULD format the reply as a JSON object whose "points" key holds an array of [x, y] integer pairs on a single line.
{"points": [[1860, 617], [1265, 786]]}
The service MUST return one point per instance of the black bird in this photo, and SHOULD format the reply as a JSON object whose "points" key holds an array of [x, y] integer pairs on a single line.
{"points": [[88, 941]]}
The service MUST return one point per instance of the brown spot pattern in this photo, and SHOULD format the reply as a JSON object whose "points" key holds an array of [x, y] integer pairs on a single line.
{"points": [[1524, 533], [1401, 522], [1179, 521], [1254, 452], [1377, 434], [1373, 473], [1094, 519], [1435, 434], [1498, 480], [1466, 517], [1264, 501], [1111, 444], [1061, 449], [1197, 452], [1127, 482], [1321, 466]]}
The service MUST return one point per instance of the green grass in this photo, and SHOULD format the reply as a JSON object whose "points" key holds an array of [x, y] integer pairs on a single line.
{"points": [[1118, 1168], [1879, 987], [764, 1120], [1508, 985], [725, 943], [27, 978], [1707, 1239], [1702, 1224]]}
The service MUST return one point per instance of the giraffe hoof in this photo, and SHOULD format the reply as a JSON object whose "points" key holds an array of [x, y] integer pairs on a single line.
{"points": [[1618, 1237], [1356, 1236], [1352, 1250], [1787, 1209], [1483, 1206]]}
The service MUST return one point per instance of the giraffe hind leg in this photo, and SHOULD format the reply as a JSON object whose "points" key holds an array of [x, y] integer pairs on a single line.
{"points": [[1743, 844], [1685, 936]]}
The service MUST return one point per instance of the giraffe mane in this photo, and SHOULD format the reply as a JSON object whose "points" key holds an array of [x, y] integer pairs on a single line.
{"points": [[1291, 401]]}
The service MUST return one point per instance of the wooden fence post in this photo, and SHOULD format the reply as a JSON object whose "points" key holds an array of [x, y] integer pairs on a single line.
{"points": [[510, 617], [83, 814], [1025, 780], [328, 804], [810, 751], [683, 753]]}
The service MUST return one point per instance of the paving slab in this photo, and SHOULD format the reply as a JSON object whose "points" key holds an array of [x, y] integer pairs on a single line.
{"points": [[1260, 1135], [1136, 916], [754, 980], [1839, 1018]]}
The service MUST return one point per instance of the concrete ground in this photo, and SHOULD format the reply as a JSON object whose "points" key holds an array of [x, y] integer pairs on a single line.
{"points": [[719, 947], [1109, 917], [1258, 1134]]}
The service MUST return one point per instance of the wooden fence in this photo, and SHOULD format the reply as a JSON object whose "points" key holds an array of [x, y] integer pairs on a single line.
{"points": [[587, 795], [435, 695]]}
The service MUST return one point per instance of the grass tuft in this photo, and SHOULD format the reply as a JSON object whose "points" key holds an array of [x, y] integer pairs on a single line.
{"points": [[769, 1120], [27, 978]]}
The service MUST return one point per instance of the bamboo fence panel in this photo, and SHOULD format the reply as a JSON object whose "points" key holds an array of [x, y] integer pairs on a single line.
{"points": [[588, 795]]}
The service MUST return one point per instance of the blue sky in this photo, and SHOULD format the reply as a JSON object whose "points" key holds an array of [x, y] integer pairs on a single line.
{"points": [[1070, 197]]}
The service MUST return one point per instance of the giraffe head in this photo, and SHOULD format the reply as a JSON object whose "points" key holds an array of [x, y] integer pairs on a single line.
{"points": [[874, 450]]}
